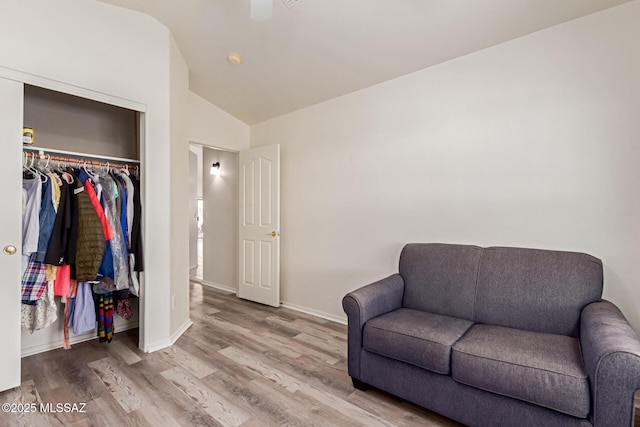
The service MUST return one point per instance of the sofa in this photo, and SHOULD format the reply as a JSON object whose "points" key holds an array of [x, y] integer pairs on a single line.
{"points": [[496, 336]]}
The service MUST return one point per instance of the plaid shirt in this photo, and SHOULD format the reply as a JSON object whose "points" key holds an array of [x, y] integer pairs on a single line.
{"points": [[34, 281]]}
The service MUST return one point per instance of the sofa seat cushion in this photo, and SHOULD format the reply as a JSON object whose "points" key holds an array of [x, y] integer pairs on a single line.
{"points": [[539, 368], [414, 336]]}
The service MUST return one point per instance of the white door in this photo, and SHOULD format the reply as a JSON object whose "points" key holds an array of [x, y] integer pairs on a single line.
{"points": [[259, 230], [11, 98]]}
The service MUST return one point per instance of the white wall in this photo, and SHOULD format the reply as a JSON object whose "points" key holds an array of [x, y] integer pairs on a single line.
{"points": [[213, 127], [180, 212], [197, 150], [121, 53], [220, 236], [530, 143]]}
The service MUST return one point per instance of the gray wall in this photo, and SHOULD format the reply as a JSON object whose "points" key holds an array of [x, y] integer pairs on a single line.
{"points": [[220, 242], [66, 122]]}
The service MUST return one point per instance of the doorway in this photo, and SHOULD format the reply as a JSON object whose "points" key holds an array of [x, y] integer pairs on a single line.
{"points": [[213, 228]]}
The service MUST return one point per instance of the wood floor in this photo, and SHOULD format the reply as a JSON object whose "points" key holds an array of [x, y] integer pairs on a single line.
{"points": [[240, 364]]}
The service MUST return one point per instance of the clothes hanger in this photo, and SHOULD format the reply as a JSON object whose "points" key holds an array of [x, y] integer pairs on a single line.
{"points": [[25, 163], [31, 168], [66, 175], [35, 166], [48, 160], [85, 168]]}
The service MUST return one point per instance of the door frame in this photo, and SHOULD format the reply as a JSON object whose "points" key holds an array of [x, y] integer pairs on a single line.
{"points": [[233, 290], [140, 108]]}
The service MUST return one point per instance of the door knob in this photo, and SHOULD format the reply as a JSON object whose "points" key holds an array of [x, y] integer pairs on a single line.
{"points": [[9, 250], [273, 234]]}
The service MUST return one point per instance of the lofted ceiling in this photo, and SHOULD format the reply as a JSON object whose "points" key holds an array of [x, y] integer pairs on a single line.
{"points": [[321, 49]]}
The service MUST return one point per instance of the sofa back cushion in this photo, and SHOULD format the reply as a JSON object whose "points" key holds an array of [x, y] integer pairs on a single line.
{"points": [[440, 278], [536, 290]]}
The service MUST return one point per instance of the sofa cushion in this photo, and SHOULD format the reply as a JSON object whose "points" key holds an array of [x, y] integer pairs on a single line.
{"points": [[535, 367], [440, 278], [536, 290], [417, 337]]}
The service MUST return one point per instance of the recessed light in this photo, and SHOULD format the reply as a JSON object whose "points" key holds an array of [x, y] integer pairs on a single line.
{"points": [[234, 58]]}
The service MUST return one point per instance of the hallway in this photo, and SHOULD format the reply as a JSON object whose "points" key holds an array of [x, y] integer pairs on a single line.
{"points": [[196, 274]]}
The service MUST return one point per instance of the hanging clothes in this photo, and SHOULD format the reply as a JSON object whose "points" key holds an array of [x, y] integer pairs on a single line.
{"points": [[104, 285], [130, 213], [122, 189], [68, 302], [117, 243], [52, 272], [72, 240], [82, 310], [79, 226], [34, 280], [62, 283], [105, 317], [31, 200], [47, 217], [136, 228], [61, 233], [94, 197], [124, 308], [91, 236], [35, 317], [55, 194], [106, 266]]}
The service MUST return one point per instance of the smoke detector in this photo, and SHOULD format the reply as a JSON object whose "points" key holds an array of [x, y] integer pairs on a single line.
{"points": [[290, 3]]}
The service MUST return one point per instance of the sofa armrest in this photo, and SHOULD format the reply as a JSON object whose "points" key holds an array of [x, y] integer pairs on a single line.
{"points": [[366, 303], [611, 353]]}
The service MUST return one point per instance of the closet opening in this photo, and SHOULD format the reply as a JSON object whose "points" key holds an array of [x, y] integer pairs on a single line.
{"points": [[213, 236], [95, 148]]}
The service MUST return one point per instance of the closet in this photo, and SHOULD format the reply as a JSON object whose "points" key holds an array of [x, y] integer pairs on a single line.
{"points": [[67, 128]]}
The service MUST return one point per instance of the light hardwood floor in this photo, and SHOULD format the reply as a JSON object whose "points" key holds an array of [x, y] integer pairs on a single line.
{"points": [[240, 364]]}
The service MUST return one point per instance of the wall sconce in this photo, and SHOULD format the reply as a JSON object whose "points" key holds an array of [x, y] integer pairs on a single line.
{"points": [[215, 169]]}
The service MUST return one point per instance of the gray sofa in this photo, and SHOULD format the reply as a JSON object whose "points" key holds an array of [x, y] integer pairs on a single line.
{"points": [[496, 336]]}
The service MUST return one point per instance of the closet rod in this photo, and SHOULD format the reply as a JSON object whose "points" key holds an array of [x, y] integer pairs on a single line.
{"points": [[80, 160], [43, 151]]}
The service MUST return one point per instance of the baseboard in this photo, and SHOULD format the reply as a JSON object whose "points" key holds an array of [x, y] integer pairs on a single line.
{"points": [[217, 286], [150, 348], [338, 319], [317, 313], [181, 330], [172, 339], [73, 339]]}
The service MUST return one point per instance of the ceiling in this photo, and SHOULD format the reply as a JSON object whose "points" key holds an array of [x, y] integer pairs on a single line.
{"points": [[321, 49]]}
